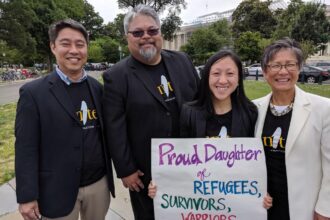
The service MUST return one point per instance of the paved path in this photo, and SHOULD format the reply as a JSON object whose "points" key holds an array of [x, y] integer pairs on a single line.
{"points": [[120, 207]]}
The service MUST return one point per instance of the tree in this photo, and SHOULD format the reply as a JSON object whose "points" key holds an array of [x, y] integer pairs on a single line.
{"points": [[95, 52], [254, 16], [172, 21], [158, 5], [208, 40], [312, 24], [306, 23], [8, 55], [15, 18], [115, 29], [24, 24], [247, 46], [170, 24], [92, 21]]}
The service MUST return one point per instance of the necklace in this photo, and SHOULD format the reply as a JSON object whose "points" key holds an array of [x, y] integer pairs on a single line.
{"points": [[284, 112]]}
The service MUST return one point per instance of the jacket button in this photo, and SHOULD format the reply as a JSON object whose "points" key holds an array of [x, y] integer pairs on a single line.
{"points": [[168, 113]]}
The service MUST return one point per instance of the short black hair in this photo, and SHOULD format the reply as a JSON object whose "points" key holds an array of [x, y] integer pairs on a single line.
{"points": [[57, 26]]}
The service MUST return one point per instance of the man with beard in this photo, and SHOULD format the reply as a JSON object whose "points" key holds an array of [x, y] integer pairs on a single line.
{"points": [[142, 100]]}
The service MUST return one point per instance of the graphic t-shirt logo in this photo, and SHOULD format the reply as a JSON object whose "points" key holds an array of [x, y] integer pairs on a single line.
{"points": [[275, 141], [223, 132], [165, 89], [86, 114]]}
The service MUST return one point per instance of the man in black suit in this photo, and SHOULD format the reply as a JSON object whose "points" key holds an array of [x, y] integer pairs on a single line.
{"points": [[62, 165], [143, 95]]}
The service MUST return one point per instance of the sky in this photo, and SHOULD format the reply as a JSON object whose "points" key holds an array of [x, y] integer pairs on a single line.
{"points": [[108, 9]]}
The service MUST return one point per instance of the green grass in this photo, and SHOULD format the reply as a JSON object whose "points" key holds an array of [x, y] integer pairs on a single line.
{"points": [[7, 151], [257, 89], [254, 89]]}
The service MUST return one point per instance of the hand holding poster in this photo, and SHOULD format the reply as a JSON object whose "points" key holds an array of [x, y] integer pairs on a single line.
{"points": [[209, 179]]}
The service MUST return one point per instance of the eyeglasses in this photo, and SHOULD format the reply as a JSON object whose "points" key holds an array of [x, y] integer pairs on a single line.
{"points": [[150, 32], [277, 67]]}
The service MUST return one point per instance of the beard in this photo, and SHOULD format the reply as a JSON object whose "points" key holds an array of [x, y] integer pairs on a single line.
{"points": [[149, 53]]}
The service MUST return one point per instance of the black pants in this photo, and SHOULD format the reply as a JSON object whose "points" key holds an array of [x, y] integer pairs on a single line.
{"points": [[142, 204]]}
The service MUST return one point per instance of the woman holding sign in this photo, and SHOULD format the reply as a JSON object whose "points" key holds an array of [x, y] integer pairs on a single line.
{"points": [[222, 108], [295, 131]]}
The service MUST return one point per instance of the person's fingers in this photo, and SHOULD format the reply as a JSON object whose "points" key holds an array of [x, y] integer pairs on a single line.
{"points": [[140, 173], [135, 188], [37, 212], [140, 184]]}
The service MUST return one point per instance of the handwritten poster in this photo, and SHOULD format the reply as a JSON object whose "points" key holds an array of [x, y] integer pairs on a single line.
{"points": [[209, 179]]}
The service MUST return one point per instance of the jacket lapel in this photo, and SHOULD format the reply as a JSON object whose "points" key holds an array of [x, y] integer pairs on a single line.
{"points": [[143, 75], [300, 114], [173, 73], [58, 90]]}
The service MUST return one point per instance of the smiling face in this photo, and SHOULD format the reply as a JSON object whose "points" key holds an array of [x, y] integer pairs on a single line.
{"points": [[146, 48], [282, 80], [223, 80], [70, 50]]}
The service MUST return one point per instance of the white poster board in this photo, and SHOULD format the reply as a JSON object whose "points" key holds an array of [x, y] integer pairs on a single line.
{"points": [[209, 178]]}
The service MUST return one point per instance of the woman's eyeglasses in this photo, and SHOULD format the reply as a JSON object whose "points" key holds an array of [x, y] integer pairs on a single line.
{"points": [[140, 33], [289, 67]]}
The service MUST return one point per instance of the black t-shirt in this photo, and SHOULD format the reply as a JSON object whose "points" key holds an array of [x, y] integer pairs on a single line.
{"points": [[219, 125], [274, 136], [93, 163], [165, 88]]}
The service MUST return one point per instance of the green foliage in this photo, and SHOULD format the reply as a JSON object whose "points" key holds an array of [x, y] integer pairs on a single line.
{"points": [[8, 55], [254, 16], [170, 24], [306, 23], [105, 49], [95, 52], [92, 21], [248, 46], [158, 5], [307, 48], [115, 30], [208, 40], [24, 24]]}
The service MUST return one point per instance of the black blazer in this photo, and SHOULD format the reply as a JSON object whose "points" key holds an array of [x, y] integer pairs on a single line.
{"points": [[48, 145], [135, 112], [193, 122]]}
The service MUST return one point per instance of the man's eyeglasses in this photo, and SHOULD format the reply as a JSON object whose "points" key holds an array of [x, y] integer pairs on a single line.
{"points": [[140, 33], [277, 67]]}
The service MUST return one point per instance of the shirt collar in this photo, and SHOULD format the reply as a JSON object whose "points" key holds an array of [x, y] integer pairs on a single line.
{"points": [[67, 80]]}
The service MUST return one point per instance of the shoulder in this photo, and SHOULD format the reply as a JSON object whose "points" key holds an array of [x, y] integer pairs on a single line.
{"points": [[262, 101], [119, 69], [176, 54], [38, 84]]}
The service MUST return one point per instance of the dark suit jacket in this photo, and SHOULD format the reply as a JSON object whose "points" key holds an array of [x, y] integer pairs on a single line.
{"points": [[48, 146], [193, 122], [135, 112]]}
